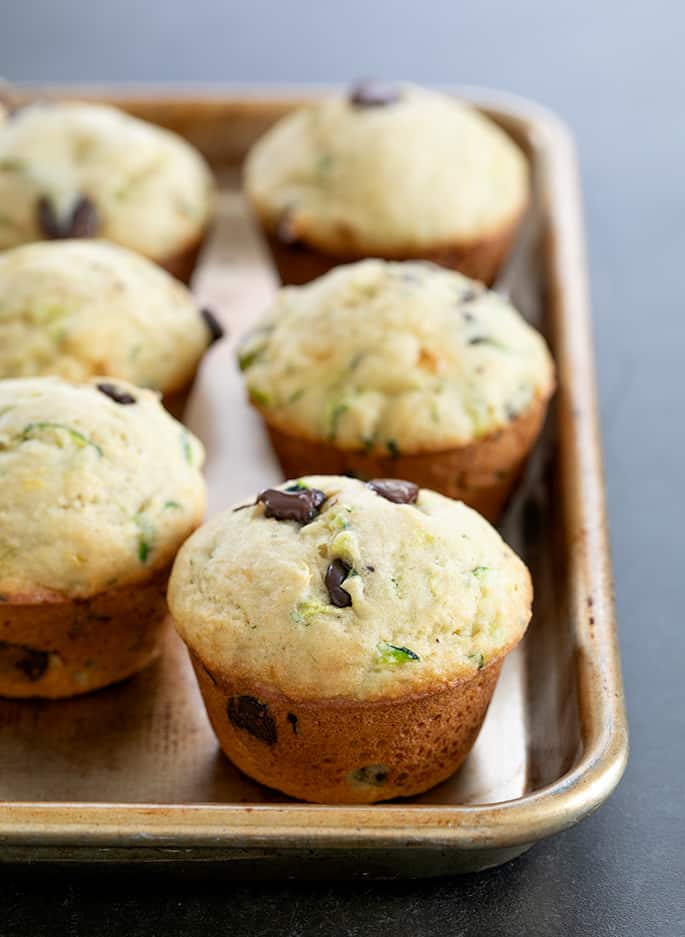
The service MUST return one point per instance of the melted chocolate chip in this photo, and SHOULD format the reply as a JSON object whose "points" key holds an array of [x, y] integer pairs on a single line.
{"points": [[216, 330], [296, 504], [292, 719], [29, 661], [246, 712], [336, 574], [395, 490], [82, 222], [374, 94], [118, 396]]}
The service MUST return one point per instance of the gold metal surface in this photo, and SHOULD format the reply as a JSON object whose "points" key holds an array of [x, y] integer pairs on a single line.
{"points": [[134, 773]]}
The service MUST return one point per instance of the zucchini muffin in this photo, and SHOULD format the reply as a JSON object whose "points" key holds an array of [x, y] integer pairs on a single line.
{"points": [[100, 487], [401, 369], [397, 172], [347, 637], [84, 309], [72, 170]]}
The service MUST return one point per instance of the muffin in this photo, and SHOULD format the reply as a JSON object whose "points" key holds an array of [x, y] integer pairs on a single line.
{"points": [[347, 637], [397, 172], [100, 487], [83, 309], [401, 369], [72, 170]]}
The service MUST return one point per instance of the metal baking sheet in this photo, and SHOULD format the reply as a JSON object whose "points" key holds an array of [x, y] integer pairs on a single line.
{"points": [[133, 772]]}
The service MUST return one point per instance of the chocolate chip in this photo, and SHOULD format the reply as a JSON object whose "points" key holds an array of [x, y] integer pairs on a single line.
{"points": [[286, 229], [292, 719], [296, 504], [395, 490], [336, 574], [118, 396], [82, 222], [216, 330], [29, 661], [479, 340], [374, 94], [511, 412], [246, 712], [85, 219], [48, 222]]}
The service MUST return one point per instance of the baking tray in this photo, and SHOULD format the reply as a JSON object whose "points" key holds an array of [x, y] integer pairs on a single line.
{"points": [[134, 773]]}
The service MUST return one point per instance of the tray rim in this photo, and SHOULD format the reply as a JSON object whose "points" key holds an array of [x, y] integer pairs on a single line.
{"points": [[513, 823]]}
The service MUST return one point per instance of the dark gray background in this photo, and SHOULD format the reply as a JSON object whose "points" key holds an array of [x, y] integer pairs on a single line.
{"points": [[615, 70]]}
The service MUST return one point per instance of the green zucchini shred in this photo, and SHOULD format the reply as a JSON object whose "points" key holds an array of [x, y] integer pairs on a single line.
{"points": [[145, 536], [335, 413], [306, 609], [387, 653], [259, 396], [248, 357], [78, 438], [376, 775], [187, 447]]}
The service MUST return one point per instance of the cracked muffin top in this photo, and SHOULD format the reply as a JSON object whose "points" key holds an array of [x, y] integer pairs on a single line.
{"points": [[85, 170], [79, 309], [100, 486], [329, 587], [387, 170], [390, 356]]}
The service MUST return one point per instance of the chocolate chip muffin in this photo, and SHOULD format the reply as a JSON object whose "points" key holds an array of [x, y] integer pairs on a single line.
{"points": [[100, 487], [81, 309], [397, 172], [401, 369], [347, 637], [71, 170]]}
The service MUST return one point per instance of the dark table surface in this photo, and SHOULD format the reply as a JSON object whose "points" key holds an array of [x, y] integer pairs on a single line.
{"points": [[615, 71]]}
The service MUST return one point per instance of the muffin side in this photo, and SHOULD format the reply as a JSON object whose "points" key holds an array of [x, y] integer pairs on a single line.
{"points": [[332, 751], [482, 474], [297, 264], [62, 648]]}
